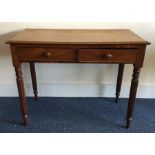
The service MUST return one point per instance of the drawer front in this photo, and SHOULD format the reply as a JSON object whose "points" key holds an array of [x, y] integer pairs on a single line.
{"points": [[108, 55], [49, 54], [63, 55]]}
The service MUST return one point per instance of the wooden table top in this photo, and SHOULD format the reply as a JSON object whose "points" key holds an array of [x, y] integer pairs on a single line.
{"points": [[77, 36]]}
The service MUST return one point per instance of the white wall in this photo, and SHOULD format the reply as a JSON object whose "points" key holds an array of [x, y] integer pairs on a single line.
{"points": [[77, 79]]}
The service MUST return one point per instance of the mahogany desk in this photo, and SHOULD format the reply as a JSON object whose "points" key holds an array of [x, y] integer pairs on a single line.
{"points": [[119, 46]]}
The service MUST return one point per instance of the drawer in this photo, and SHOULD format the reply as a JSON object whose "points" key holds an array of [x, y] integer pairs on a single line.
{"points": [[108, 55], [49, 54]]}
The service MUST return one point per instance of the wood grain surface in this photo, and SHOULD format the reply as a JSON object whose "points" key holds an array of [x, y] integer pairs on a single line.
{"points": [[78, 36]]}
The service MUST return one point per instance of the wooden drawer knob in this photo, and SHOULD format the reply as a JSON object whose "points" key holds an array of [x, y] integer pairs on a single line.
{"points": [[47, 54], [108, 56]]}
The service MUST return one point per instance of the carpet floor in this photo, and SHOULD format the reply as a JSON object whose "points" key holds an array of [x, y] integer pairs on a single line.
{"points": [[76, 115]]}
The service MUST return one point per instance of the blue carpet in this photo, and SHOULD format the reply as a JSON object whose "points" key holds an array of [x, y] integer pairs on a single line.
{"points": [[76, 115]]}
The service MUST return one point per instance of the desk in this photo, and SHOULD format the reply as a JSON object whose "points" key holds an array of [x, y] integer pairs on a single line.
{"points": [[119, 46]]}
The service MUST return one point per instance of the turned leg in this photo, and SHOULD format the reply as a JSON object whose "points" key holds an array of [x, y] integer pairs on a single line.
{"points": [[132, 97], [119, 81], [21, 92], [34, 80]]}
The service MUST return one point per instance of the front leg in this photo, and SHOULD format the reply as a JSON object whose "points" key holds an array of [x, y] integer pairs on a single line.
{"points": [[21, 92], [132, 97]]}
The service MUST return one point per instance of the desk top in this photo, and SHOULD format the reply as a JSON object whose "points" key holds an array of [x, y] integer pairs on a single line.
{"points": [[77, 36]]}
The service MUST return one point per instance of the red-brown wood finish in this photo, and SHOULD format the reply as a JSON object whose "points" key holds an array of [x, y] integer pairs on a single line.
{"points": [[78, 46], [46, 54], [20, 84], [133, 90], [108, 55], [34, 79], [119, 81]]}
